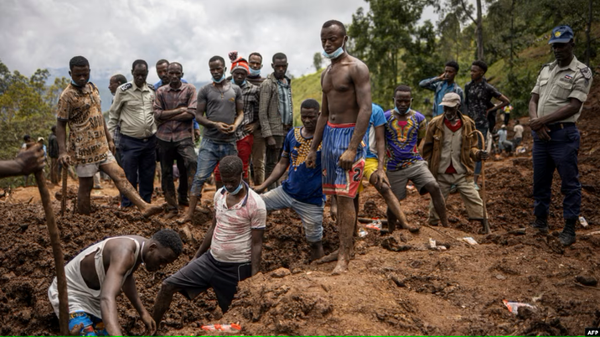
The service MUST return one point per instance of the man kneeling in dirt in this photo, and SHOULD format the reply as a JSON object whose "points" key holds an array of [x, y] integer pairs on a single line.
{"points": [[302, 190], [235, 242], [450, 148], [90, 143], [96, 276]]}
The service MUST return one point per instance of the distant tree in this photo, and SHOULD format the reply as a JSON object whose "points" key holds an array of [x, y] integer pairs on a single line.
{"points": [[382, 36], [27, 106], [318, 61]]}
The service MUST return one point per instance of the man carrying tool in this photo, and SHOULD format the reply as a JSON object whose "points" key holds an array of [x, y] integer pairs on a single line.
{"points": [[97, 275], [450, 148]]}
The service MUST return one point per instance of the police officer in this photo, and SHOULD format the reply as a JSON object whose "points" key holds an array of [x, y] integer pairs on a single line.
{"points": [[556, 102], [133, 112]]}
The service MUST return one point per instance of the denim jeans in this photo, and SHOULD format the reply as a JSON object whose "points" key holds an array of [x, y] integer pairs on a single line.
{"points": [[208, 157], [559, 153], [311, 215]]}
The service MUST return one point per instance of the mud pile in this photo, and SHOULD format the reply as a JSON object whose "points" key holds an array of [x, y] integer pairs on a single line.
{"points": [[414, 290]]}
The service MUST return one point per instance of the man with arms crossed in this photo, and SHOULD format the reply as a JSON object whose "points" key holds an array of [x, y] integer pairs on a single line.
{"points": [[341, 126]]}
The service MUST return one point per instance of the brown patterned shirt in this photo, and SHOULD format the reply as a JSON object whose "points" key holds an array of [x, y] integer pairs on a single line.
{"points": [[80, 107]]}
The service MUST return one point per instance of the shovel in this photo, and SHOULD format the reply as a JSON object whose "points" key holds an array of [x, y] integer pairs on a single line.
{"points": [[59, 261]]}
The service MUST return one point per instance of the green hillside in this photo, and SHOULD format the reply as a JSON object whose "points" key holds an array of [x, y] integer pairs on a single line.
{"points": [[517, 88], [307, 86]]}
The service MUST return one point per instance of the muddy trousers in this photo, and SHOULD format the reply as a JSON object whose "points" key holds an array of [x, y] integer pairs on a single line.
{"points": [[559, 153], [468, 194]]}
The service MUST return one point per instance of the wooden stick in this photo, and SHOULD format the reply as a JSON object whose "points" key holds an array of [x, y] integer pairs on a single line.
{"points": [[59, 261], [486, 228], [63, 201]]}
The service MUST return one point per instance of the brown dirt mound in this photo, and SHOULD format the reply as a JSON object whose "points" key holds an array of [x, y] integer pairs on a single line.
{"points": [[410, 292]]}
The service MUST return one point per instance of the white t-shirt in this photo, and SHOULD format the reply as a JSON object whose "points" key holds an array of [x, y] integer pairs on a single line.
{"points": [[518, 129], [232, 238]]}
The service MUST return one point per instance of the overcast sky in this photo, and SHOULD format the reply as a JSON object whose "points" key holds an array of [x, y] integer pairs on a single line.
{"points": [[111, 34]]}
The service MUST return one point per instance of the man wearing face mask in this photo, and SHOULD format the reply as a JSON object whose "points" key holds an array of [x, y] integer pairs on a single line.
{"points": [[404, 130], [231, 249], [441, 85], [450, 148], [221, 112], [244, 134], [276, 111], [132, 111], [255, 63], [174, 111], [97, 275]]}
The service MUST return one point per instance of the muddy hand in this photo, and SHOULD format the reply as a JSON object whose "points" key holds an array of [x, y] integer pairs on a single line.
{"points": [[347, 159], [31, 160]]}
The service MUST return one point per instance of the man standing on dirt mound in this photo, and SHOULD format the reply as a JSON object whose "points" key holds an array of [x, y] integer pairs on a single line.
{"points": [[556, 102], [90, 143], [451, 150], [174, 110], [341, 126], [132, 110], [302, 190], [97, 275], [220, 111], [404, 130], [232, 247]]}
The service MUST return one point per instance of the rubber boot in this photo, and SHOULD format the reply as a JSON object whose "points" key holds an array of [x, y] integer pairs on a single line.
{"points": [[541, 224], [567, 236], [316, 250]]}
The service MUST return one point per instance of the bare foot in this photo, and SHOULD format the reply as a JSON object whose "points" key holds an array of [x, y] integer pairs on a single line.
{"points": [[186, 234], [152, 210], [412, 229], [186, 218], [341, 267], [328, 258]]}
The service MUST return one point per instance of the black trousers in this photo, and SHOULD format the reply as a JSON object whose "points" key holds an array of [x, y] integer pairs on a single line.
{"points": [[138, 160]]}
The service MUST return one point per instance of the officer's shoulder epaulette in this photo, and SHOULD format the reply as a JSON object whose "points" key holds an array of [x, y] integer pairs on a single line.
{"points": [[544, 66], [126, 86], [586, 72], [151, 86]]}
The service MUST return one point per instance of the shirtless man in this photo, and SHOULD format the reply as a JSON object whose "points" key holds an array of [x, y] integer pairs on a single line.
{"points": [[341, 126], [97, 275]]}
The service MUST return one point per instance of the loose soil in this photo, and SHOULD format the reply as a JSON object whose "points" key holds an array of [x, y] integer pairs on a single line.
{"points": [[413, 291]]}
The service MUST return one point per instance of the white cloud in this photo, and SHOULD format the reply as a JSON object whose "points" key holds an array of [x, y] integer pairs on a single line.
{"points": [[113, 33]]}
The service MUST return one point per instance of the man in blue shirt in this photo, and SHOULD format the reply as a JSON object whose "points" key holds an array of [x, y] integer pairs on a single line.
{"points": [[442, 85], [302, 190]]}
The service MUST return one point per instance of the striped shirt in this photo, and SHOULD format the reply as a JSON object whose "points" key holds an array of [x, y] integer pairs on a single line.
{"points": [[168, 98], [285, 102], [251, 96]]}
